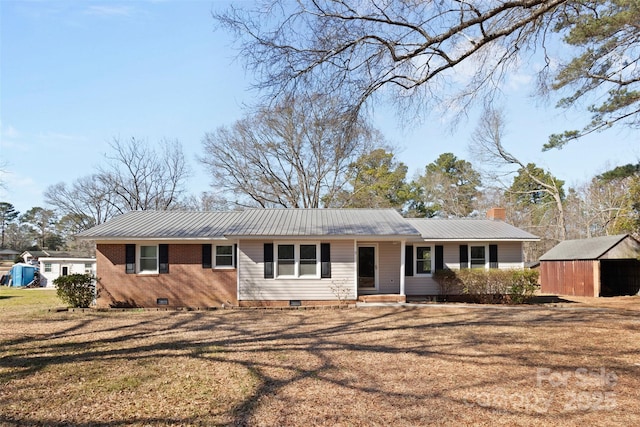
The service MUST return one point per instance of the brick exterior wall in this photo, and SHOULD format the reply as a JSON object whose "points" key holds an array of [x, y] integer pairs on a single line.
{"points": [[186, 285]]}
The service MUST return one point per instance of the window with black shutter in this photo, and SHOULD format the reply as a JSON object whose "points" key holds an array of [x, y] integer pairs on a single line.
{"points": [[439, 258], [325, 260], [268, 260], [207, 249], [163, 259], [130, 258], [493, 256], [408, 260], [464, 256]]}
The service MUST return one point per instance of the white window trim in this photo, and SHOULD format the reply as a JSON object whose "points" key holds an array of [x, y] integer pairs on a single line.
{"points": [[50, 267], [415, 260], [296, 260], [139, 260], [223, 267]]}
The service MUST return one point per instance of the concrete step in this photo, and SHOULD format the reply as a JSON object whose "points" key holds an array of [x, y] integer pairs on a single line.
{"points": [[382, 298]]}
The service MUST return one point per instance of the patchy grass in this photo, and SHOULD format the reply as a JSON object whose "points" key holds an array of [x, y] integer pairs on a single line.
{"points": [[27, 302], [535, 365]]}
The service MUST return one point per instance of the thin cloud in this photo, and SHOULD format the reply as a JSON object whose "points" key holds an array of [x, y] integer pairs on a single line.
{"points": [[109, 11]]}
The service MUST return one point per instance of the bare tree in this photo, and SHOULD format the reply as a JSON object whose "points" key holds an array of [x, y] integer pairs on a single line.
{"points": [[139, 177], [445, 52], [295, 154], [535, 184], [86, 202]]}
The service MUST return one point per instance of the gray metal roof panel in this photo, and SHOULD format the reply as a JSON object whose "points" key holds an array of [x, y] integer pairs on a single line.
{"points": [[163, 224], [587, 249], [321, 222], [468, 229]]}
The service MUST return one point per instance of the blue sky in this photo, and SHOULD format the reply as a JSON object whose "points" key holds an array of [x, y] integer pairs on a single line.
{"points": [[76, 74]]}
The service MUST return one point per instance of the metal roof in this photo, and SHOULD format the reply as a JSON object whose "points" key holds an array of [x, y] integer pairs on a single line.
{"points": [[468, 229], [163, 225], [585, 249], [320, 222], [297, 223]]}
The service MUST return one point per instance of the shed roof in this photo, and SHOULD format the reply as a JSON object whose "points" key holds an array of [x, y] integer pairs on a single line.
{"points": [[320, 222], [585, 249], [163, 225], [469, 229]]}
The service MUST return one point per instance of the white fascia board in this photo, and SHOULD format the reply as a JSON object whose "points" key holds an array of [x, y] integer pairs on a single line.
{"points": [[476, 240], [370, 238], [177, 240]]}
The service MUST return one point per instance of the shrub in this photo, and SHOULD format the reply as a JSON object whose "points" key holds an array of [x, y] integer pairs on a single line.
{"points": [[447, 281], [77, 290], [489, 286], [524, 285]]}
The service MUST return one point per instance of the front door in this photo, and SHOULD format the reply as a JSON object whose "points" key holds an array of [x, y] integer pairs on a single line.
{"points": [[366, 267], [65, 270]]}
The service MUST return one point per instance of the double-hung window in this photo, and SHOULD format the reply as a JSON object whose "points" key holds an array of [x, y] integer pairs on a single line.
{"points": [[47, 267], [423, 260], [297, 260], [224, 256], [286, 260], [148, 259], [308, 260], [477, 258]]}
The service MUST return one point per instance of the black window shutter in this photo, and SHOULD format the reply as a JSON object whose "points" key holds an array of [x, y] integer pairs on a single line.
{"points": [[235, 255], [439, 257], [493, 256], [408, 260], [325, 260], [206, 255], [130, 258], [163, 258], [268, 260], [464, 256]]}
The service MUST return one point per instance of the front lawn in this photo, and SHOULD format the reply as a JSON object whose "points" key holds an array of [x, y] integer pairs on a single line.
{"points": [[531, 365]]}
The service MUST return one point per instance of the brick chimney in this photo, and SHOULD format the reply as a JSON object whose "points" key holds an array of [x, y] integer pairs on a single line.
{"points": [[497, 214]]}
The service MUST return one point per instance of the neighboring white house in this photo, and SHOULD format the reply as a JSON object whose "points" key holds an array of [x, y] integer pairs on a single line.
{"points": [[53, 264]]}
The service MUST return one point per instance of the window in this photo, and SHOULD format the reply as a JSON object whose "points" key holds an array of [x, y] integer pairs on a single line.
{"points": [[297, 260], [423, 260], [47, 267], [286, 260], [224, 256], [88, 266], [308, 260], [477, 257], [148, 259]]}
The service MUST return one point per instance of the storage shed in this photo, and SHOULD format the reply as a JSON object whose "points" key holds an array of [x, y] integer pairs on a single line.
{"points": [[600, 266]]}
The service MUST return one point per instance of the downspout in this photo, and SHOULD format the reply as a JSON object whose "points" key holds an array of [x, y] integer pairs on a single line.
{"points": [[403, 245]]}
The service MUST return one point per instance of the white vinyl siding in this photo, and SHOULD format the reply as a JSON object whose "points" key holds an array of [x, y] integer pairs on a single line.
{"points": [[509, 257], [253, 285]]}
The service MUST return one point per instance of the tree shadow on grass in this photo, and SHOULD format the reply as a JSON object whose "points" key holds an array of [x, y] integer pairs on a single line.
{"points": [[286, 350]]}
